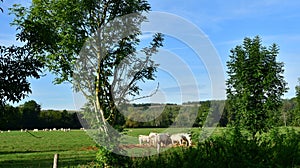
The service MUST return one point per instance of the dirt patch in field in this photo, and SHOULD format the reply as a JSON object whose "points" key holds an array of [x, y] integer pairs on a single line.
{"points": [[89, 148], [130, 146]]}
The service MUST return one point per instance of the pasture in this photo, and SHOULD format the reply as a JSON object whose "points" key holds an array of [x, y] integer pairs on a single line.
{"points": [[36, 149], [75, 148]]}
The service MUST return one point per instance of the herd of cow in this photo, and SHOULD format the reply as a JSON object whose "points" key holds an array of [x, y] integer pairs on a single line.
{"points": [[46, 129], [165, 139]]}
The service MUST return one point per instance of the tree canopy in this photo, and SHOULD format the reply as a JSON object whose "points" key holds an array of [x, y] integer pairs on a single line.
{"points": [[297, 88], [16, 65], [30, 116], [94, 45], [255, 85]]}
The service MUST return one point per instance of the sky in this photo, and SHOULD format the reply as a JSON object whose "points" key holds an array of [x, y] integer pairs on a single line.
{"points": [[185, 74]]}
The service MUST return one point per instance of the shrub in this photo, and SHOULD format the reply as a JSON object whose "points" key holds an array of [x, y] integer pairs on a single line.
{"points": [[234, 148], [106, 158]]}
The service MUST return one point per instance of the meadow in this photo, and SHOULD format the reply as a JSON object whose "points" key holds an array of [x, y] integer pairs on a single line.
{"points": [[37, 149], [77, 149]]}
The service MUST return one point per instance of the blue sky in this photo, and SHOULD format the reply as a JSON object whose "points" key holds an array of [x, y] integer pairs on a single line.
{"points": [[225, 24]]}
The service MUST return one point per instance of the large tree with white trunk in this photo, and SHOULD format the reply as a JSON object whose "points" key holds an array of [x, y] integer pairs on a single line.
{"points": [[92, 44]]}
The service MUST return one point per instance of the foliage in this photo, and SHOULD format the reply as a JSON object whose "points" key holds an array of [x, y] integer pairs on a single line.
{"points": [[166, 115], [146, 116], [30, 116], [107, 159], [289, 113], [17, 64], [233, 149], [297, 110], [255, 85], [10, 117], [58, 30], [58, 119]]}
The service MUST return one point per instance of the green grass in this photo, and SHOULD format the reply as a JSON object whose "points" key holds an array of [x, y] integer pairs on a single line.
{"points": [[36, 149], [21, 149]]}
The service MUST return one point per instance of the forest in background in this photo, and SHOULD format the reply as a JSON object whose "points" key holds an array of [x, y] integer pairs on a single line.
{"points": [[30, 116]]}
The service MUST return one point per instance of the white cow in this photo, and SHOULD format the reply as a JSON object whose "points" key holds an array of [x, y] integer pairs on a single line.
{"points": [[152, 137], [180, 138], [144, 139], [176, 138], [35, 130]]}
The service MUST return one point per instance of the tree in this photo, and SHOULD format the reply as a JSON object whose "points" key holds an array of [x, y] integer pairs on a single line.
{"points": [[30, 111], [297, 109], [10, 117], [17, 64], [297, 88], [287, 111], [255, 85], [105, 68], [203, 111]]}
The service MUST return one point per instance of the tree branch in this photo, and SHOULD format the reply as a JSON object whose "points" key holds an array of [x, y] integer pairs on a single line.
{"points": [[143, 97]]}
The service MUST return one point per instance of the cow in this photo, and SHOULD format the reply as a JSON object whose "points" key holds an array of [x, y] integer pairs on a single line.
{"points": [[163, 139], [152, 137], [180, 138], [144, 139], [176, 138]]}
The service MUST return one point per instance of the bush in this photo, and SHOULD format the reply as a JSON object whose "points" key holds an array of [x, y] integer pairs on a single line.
{"points": [[234, 149], [106, 158]]}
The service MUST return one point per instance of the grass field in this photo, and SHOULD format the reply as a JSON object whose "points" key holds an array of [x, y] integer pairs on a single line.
{"points": [[36, 149]]}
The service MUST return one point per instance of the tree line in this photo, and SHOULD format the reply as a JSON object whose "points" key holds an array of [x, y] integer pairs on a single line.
{"points": [[30, 116], [289, 114]]}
